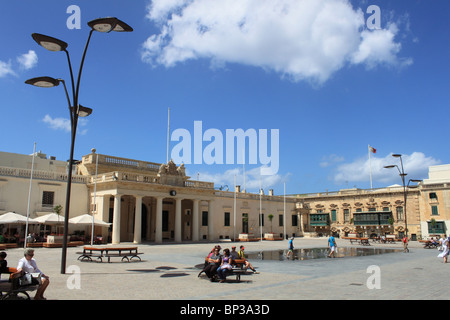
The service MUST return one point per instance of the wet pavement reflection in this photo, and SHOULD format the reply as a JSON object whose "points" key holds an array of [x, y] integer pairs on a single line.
{"points": [[317, 253]]}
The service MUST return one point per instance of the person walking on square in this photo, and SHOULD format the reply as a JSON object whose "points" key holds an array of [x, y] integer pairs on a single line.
{"points": [[332, 246], [445, 249], [291, 248], [405, 243]]}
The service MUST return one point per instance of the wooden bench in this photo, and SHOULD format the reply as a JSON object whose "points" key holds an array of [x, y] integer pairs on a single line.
{"points": [[362, 241], [428, 244], [4, 246], [237, 270], [10, 289], [127, 253]]}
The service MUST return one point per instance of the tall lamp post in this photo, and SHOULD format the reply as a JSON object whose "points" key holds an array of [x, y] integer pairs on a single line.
{"points": [[104, 25], [403, 175]]}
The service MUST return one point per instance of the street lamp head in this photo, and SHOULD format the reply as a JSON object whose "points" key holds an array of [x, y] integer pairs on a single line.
{"points": [[84, 111], [43, 82], [397, 155], [122, 27], [390, 166], [49, 43], [415, 180], [109, 24]]}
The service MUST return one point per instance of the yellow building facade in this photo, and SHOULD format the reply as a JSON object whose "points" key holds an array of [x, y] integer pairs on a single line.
{"points": [[155, 202]]}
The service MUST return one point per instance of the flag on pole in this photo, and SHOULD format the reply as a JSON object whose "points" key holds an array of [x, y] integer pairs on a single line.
{"points": [[373, 150]]}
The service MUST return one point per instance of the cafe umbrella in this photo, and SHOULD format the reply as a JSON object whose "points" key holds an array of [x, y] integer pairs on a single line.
{"points": [[88, 220], [10, 218], [52, 219]]}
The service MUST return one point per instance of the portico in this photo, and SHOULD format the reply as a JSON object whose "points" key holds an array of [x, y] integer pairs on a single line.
{"points": [[154, 217], [147, 201]]}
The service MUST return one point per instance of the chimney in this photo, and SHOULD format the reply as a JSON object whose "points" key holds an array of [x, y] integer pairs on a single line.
{"points": [[270, 192], [238, 189]]}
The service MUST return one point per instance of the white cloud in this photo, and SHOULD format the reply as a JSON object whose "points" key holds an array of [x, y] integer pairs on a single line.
{"points": [[330, 160], [28, 60], [57, 123], [64, 124], [379, 47], [415, 165], [5, 69], [253, 179], [299, 39]]}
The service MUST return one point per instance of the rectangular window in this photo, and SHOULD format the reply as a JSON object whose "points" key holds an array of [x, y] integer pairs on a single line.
{"points": [[280, 220], [47, 198], [333, 216], [434, 210], [433, 195], [261, 220], [294, 220], [399, 213], [226, 219], [204, 218], [385, 208], [346, 215], [437, 228]]}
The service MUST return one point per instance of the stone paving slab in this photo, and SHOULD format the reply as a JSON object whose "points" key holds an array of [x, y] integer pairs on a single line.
{"points": [[168, 272]]}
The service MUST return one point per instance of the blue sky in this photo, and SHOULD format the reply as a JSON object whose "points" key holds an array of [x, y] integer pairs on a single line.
{"points": [[316, 71]]}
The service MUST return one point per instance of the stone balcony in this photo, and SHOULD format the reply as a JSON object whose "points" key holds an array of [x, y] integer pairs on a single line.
{"points": [[41, 175]]}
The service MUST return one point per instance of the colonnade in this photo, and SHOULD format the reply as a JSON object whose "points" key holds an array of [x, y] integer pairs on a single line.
{"points": [[137, 237]]}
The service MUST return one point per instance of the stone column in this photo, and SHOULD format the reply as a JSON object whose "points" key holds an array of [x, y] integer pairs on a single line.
{"points": [[138, 220], [102, 211], [116, 219], [195, 220], [178, 219], [158, 222], [210, 220]]}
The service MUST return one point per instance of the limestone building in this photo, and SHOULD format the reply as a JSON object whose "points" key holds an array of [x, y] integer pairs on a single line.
{"points": [[155, 202], [435, 202]]}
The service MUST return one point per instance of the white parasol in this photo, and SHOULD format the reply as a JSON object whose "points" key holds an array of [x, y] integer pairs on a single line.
{"points": [[15, 218], [86, 219], [51, 218]]}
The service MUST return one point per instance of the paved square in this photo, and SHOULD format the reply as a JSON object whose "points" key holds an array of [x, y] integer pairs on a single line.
{"points": [[169, 272]]}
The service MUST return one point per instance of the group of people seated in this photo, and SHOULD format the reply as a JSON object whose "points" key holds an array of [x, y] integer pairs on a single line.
{"points": [[26, 265], [218, 265], [7, 238]]}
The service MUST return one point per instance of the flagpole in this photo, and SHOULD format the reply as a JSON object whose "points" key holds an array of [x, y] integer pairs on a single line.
{"points": [[260, 210], [284, 211], [168, 133], [243, 165], [370, 168], [234, 219], [94, 207], [29, 195]]}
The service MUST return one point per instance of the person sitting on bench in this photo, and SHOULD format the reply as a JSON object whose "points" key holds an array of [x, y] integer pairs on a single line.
{"points": [[246, 262], [214, 263], [225, 266]]}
